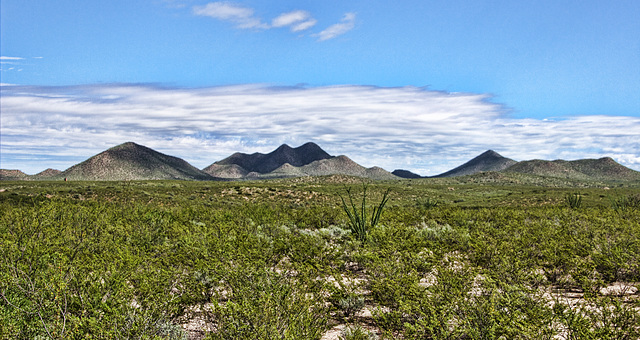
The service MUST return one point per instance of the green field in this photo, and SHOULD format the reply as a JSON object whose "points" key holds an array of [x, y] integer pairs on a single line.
{"points": [[470, 258]]}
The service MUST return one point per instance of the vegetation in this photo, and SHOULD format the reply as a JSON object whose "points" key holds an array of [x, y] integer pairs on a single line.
{"points": [[574, 201], [358, 217], [477, 257]]}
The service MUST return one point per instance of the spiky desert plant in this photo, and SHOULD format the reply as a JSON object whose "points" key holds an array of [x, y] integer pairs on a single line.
{"points": [[359, 221], [574, 200]]}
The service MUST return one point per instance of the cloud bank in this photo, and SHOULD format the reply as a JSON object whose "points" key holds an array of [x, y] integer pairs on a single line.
{"points": [[297, 21], [413, 128]]}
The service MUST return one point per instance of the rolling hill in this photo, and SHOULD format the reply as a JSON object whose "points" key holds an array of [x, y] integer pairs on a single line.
{"points": [[584, 169], [130, 161]]}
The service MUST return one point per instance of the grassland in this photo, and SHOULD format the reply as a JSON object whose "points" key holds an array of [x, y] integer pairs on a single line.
{"points": [[482, 257]]}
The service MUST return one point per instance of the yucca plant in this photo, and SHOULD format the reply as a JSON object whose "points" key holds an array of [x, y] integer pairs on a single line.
{"points": [[574, 200], [359, 221]]}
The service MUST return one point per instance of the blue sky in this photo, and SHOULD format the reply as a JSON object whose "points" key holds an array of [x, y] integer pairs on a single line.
{"points": [[551, 79]]}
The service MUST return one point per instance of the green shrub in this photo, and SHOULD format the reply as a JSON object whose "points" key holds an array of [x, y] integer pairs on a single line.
{"points": [[428, 203], [349, 304], [357, 332], [263, 304], [601, 318], [628, 203]]}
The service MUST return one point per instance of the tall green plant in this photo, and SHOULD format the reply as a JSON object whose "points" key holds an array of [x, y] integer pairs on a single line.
{"points": [[574, 201], [359, 221]]}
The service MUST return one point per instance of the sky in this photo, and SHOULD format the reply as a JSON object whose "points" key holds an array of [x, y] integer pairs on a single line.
{"points": [[417, 85]]}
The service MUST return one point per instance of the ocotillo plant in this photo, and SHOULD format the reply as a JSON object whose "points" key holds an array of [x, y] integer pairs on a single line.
{"points": [[359, 221]]}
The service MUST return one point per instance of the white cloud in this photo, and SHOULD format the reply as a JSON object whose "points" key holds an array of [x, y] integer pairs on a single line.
{"points": [[346, 24], [10, 58], [298, 20], [425, 131], [241, 16]]}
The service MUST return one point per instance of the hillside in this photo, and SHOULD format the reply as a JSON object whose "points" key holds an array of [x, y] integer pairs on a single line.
{"points": [[306, 160], [229, 171], [6, 174], [583, 169], [130, 161], [487, 161], [340, 165], [49, 173], [265, 163], [343, 165]]}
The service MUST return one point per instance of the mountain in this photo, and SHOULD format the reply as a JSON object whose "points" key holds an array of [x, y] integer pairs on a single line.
{"points": [[49, 173], [340, 165], [266, 163], [12, 175], [306, 160], [130, 161], [343, 165], [405, 174], [229, 171], [584, 169], [487, 161]]}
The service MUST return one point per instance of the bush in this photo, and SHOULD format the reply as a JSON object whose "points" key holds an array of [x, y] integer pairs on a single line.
{"points": [[357, 333]]}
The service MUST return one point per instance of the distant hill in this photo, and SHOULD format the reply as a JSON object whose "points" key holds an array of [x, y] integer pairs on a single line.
{"points": [[343, 165], [487, 161], [49, 173], [229, 171], [266, 163], [306, 160], [405, 174], [584, 169], [130, 161], [6, 174]]}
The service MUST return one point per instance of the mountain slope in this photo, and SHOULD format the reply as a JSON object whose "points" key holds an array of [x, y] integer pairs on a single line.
{"points": [[265, 163], [49, 173], [343, 165], [11, 175], [229, 171], [130, 161], [487, 161], [584, 169]]}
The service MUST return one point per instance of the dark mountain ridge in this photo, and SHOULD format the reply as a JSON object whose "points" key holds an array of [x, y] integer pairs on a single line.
{"points": [[265, 163], [487, 161], [405, 174]]}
